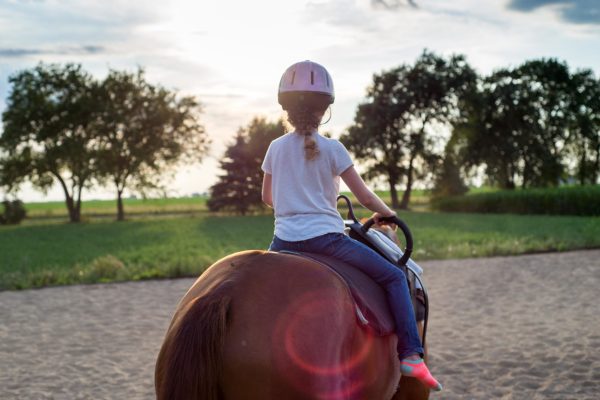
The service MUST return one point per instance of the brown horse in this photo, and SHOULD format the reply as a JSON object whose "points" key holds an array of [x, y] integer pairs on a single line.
{"points": [[264, 325]]}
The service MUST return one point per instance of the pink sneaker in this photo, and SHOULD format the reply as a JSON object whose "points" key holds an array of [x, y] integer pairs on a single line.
{"points": [[418, 369]]}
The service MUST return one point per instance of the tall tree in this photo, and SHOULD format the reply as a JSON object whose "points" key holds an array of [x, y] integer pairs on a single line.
{"points": [[236, 190], [584, 143], [239, 188], [517, 126], [549, 90], [142, 131], [47, 136], [394, 131]]}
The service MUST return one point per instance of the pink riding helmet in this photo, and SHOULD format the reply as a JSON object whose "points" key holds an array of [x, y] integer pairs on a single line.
{"points": [[306, 76]]}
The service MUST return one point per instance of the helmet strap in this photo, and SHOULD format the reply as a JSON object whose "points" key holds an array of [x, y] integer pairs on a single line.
{"points": [[328, 119]]}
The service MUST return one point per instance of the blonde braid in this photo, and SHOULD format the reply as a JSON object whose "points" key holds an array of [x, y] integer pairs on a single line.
{"points": [[305, 122], [311, 150]]}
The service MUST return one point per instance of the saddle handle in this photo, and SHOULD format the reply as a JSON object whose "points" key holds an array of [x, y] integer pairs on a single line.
{"points": [[349, 204], [403, 227]]}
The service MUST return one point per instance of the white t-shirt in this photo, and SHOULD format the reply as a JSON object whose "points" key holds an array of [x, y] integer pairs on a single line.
{"points": [[305, 191]]}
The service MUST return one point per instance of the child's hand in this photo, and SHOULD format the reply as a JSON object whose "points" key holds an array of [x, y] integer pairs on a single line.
{"points": [[377, 218]]}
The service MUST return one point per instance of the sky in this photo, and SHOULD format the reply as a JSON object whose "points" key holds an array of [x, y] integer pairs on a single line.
{"points": [[231, 54]]}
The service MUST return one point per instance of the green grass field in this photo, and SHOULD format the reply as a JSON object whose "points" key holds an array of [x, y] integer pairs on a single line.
{"points": [[108, 208], [50, 253], [143, 207]]}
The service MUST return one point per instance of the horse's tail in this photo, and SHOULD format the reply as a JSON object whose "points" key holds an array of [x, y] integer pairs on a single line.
{"points": [[190, 360]]}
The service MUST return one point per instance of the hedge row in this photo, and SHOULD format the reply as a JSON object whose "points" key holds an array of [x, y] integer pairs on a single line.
{"points": [[570, 200]]}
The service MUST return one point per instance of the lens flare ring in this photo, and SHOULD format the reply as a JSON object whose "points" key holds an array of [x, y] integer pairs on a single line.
{"points": [[342, 380]]}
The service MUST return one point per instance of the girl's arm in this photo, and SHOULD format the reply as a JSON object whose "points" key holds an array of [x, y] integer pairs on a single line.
{"points": [[364, 195], [267, 192]]}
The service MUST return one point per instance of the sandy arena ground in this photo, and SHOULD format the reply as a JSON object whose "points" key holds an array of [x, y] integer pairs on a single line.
{"points": [[523, 327]]}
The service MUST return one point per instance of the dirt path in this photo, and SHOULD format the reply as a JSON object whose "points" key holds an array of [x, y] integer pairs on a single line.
{"points": [[522, 327]]}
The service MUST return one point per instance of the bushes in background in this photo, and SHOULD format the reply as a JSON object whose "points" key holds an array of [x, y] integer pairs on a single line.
{"points": [[14, 212], [571, 200]]}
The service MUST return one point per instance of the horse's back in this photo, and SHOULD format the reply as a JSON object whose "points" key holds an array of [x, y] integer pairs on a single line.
{"points": [[292, 332]]}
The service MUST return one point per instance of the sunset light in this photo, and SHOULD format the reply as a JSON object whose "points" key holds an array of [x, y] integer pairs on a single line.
{"points": [[299, 199], [230, 54]]}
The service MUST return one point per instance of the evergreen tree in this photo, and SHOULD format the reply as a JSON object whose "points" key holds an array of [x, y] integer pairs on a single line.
{"points": [[235, 190], [239, 188]]}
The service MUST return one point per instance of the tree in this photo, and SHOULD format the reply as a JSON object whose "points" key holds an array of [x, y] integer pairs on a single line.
{"points": [[448, 180], [142, 131], [235, 190], [549, 89], [239, 188], [394, 130], [517, 125], [46, 136], [584, 143]]}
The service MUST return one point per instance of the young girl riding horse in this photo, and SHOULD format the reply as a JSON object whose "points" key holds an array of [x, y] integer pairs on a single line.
{"points": [[301, 182]]}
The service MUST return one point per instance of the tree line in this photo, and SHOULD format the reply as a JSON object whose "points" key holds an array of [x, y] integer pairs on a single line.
{"points": [[440, 124], [433, 123], [63, 126]]}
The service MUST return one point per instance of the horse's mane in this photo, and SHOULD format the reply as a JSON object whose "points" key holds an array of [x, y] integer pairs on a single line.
{"points": [[190, 342], [196, 338]]}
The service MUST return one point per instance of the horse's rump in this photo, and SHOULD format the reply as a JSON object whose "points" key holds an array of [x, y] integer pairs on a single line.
{"points": [[291, 332]]}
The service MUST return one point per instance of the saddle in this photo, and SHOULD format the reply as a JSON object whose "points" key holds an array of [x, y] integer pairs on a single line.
{"points": [[372, 309], [371, 305], [370, 299]]}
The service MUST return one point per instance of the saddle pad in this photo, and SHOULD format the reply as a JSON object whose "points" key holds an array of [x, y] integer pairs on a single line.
{"points": [[372, 307]]}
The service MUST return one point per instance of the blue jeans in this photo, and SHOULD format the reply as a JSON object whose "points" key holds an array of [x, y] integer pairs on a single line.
{"points": [[391, 278]]}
